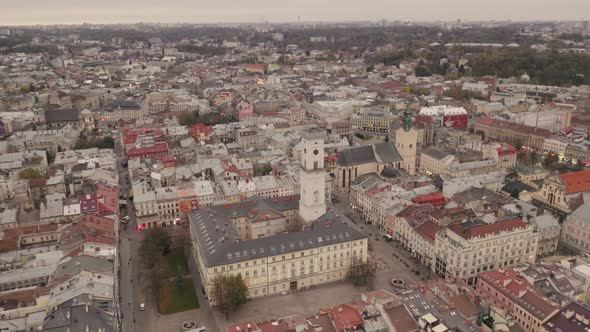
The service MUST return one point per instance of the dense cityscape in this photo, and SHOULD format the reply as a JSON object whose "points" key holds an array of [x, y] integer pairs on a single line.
{"points": [[295, 177]]}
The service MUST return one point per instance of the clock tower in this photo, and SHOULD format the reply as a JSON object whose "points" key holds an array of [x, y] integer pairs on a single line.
{"points": [[312, 203]]}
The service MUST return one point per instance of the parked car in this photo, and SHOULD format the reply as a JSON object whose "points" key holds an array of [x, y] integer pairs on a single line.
{"points": [[142, 306]]}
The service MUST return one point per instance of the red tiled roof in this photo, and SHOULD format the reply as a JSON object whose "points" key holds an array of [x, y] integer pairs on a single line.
{"points": [[101, 240], [274, 327], [108, 199], [506, 149], [255, 66], [158, 148], [401, 319], [518, 289], [247, 326], [487, 229], [201, 128], [428, 198], [88, 203], [576, 182], [428, 230], [132, 134], [345, 317]]}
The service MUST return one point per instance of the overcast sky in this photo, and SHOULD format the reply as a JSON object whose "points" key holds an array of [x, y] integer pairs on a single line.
{"points": [[14, 12]]}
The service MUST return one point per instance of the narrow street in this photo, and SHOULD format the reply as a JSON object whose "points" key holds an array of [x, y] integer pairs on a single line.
{"points": [[126, 234]]}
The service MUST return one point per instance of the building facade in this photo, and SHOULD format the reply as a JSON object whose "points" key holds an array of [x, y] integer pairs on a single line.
{"points": [[467, 249]]}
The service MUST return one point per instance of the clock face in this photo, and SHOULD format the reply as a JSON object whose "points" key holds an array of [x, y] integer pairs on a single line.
{"points": [[316, 151]]}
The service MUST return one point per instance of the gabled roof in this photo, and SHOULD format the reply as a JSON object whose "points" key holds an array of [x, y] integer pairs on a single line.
{"points": [[61, 115], [383, 153], [470, 230], [357, 155], [387, 153], [576, 182]]}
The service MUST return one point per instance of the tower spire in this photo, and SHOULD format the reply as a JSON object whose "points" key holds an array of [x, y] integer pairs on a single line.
{"points": [[407, 120]]}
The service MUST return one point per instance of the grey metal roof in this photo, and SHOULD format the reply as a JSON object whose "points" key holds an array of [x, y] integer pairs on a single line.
{"points": [[481, 194], [387, 153], [368, 180], [517, 186], [125, 104], [383, 153], [435, 153], [62, 115], [219, 242], [357, 155], [85, 313], [84, 263]]}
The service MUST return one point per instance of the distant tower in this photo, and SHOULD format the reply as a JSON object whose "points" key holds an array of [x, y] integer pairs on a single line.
{"points": [[312, 203], [86, 120], [406, 138]]}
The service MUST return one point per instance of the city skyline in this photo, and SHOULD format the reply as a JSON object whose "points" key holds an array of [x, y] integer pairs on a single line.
{"points": [[225, 11]]}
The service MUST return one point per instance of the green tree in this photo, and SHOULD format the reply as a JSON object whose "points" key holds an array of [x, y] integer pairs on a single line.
{"points": [[155, 282], [213, 118], [362, 273], [179, 277], [550, 159], [189, 119], [422, 71], [229, 292], [25, 89], [156, 243], [29, 173], [105, 143], [82, 143], [263, 169], [50, 156]]}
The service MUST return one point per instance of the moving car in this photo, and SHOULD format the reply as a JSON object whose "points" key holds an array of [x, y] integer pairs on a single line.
{"points": [[142, 306]]}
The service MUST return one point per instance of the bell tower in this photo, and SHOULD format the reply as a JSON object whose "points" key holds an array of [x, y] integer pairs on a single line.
{"points": [[406, 139], [312, 203]]}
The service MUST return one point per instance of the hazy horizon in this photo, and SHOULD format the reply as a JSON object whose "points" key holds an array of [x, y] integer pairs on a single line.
{"points": [[229, 11]]}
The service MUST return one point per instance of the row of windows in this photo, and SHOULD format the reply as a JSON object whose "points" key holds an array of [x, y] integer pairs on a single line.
{"points": [[293, 256]]}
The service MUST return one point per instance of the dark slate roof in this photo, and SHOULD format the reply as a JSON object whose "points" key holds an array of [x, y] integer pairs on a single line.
{"points": [[387, 153], [367, 180], [357, 155], [125, 104], [390, 172], [219, 242], [383, 153], [61, 115], [517, 186], [97, 316]]}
